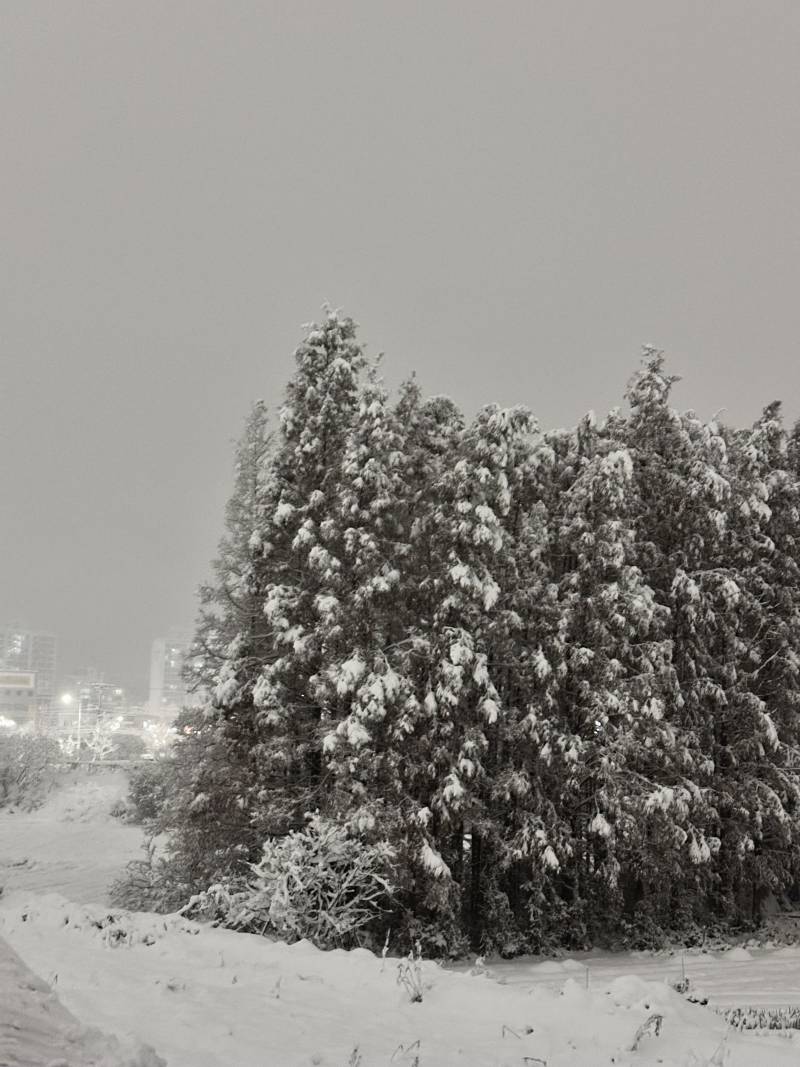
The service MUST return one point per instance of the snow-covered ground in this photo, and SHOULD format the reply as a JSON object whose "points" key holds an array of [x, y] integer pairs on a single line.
{"points": [[37, 1031], [739, 977], [212, 998], [71, 844]]}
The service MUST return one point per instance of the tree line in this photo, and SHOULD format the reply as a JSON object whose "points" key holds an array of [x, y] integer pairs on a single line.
{"points": [[558, 672]]}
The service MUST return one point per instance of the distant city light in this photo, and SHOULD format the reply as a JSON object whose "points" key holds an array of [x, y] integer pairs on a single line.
{"points": [[67, 698]]}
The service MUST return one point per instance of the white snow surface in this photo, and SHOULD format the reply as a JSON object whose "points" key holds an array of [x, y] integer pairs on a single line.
{"points": [[37, 1031], [205, 997], [71, 844]]}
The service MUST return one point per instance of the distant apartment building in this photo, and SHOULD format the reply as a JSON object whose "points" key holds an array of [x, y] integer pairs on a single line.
{"points": [[27, 657], [18, 697], [168, 692]]}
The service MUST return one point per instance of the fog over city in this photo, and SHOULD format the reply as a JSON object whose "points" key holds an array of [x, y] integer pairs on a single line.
{"points": [[510, 200]]}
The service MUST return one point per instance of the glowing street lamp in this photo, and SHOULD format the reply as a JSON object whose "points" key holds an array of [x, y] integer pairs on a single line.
{"points": [[67, 699]]}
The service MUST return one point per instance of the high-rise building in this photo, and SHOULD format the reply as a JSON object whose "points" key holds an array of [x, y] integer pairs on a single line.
{"points": [[168, 693], [33, 653]]}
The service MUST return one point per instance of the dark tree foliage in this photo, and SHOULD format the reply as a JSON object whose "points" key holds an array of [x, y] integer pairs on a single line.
{"points": [[558, 673]]}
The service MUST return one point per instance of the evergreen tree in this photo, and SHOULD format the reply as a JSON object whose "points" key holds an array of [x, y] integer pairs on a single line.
{"points": [[229, 604], [466, 555], [760, 783], [364, 686], [527, 903], [623, 750], [706, 550], [269, 703], [208, 776]]}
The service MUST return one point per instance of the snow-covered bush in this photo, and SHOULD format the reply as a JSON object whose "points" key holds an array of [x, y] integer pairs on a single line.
{"points": [[28, 765], [320, 883], [153, 883]]}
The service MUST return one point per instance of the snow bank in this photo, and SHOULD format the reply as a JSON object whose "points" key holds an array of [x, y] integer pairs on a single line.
{"points": [[206, 997], [738, 955], [37, 1031]]}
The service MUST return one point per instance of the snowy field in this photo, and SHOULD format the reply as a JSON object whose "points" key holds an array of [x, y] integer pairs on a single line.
{"points": [[212, 998], [71, 845]]}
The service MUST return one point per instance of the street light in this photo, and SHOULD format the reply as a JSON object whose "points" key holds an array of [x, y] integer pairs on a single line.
{"points": [[67, 699]]}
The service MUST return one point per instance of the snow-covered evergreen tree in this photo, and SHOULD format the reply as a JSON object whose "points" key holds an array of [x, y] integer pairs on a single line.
{"points": [[365, 681], [702, 497], [461, 536], [269, 702], [758, 763], [250, 762], [229, 604], [210, 766], [621, 686]]}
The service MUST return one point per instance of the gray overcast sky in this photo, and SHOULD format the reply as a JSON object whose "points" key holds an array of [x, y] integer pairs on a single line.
{"points": [[510, 197]]}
